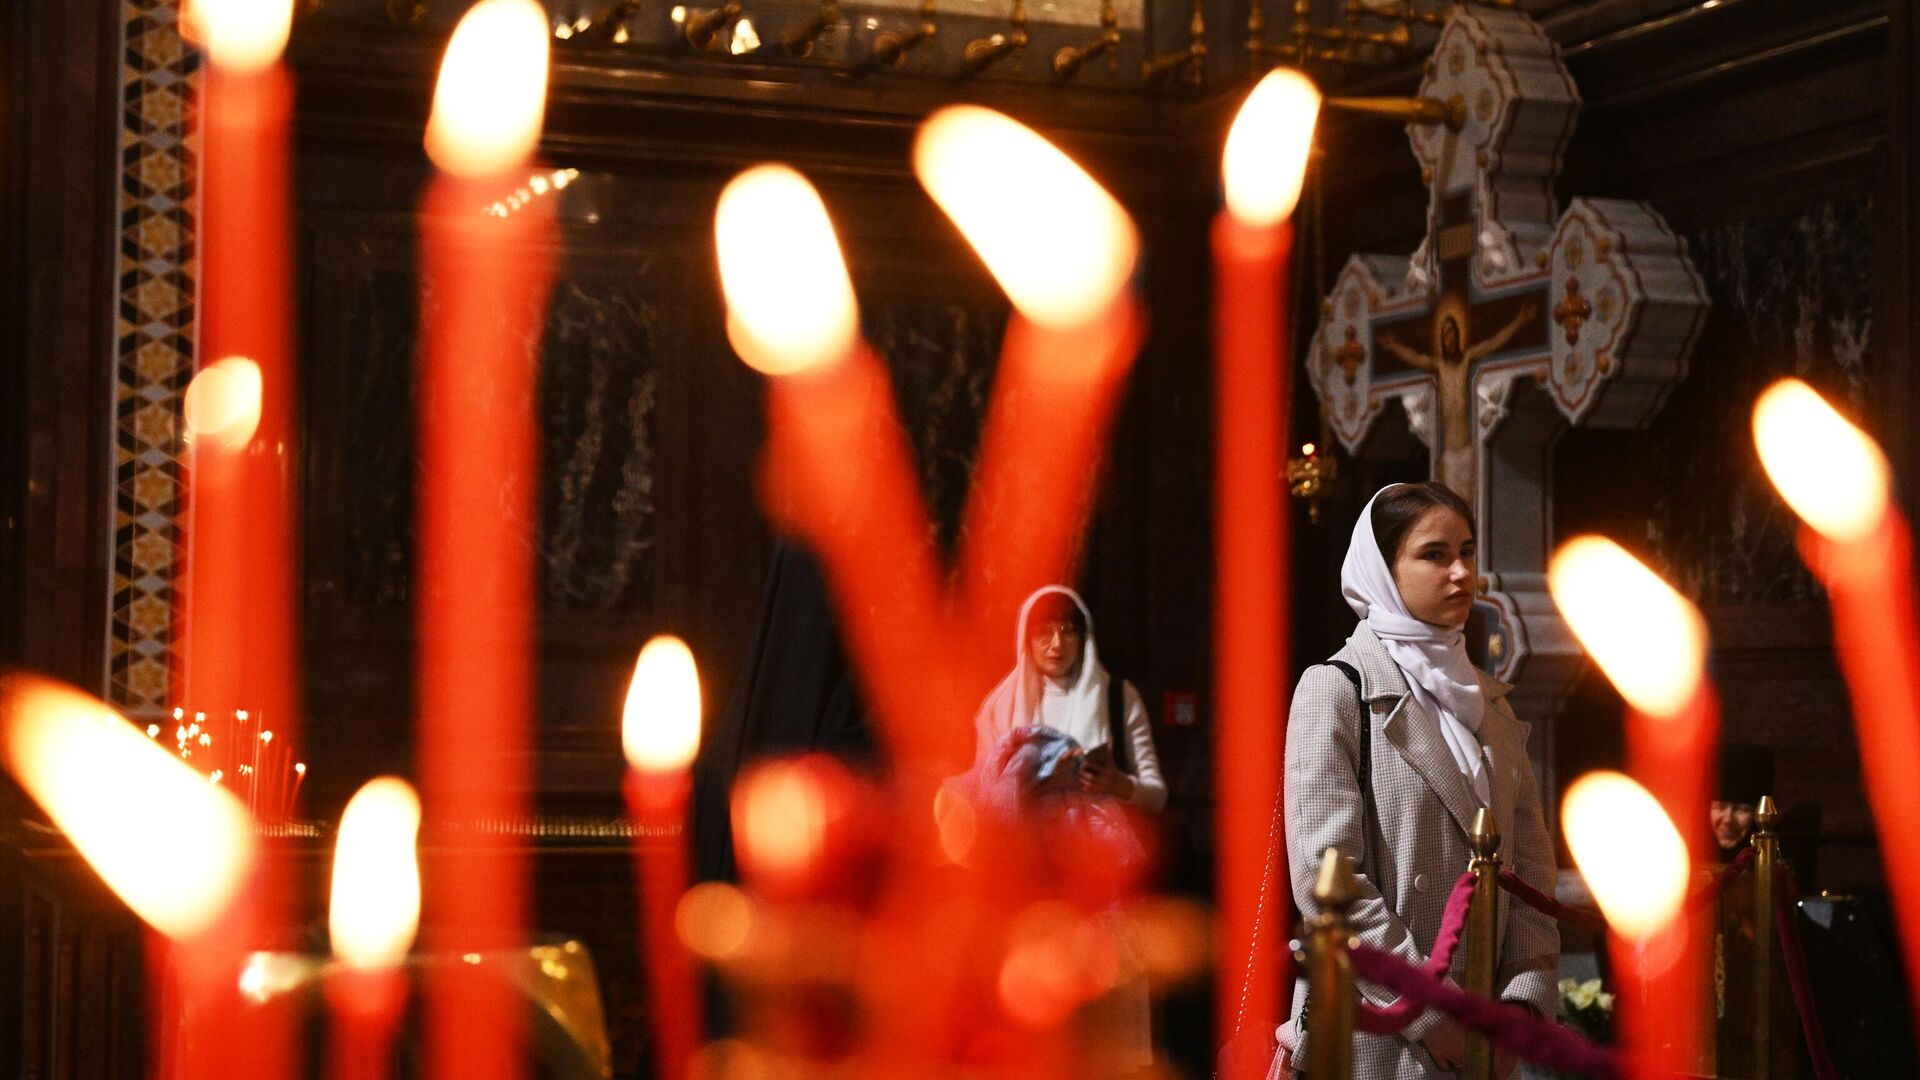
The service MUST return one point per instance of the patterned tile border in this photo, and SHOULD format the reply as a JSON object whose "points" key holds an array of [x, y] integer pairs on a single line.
{"points": [[153, 354]]}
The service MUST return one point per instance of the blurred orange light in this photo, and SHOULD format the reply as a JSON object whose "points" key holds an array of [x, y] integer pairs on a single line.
{"points": [[492, 93], [375, 910], [1056, 241], [781, 812], [175, 848], [1830, 472], [661, 727], [1265, 161], [1628, 850], [239, 35], [1650, 640], [714, 920], [222, 404], [790, 304]]}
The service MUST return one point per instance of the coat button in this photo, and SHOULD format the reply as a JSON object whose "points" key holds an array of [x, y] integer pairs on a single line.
{"points": [[1419, 883]]}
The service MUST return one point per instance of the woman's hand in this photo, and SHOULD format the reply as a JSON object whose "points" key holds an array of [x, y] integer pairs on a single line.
{"points": [[1101, 778], [1447, 1046]]}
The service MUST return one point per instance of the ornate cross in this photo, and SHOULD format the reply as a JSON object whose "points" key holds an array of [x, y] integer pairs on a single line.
{"points": [[1598, 308]]}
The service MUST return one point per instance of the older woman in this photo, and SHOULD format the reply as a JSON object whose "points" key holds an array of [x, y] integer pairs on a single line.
{"points": [[1442, 744]]}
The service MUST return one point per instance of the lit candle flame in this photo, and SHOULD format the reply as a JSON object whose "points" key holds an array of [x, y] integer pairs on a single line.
{"points": [[790, 304], [1265, 161], [1833, 474], [239, 35], [1056, 241], [172, 846], [1647, 638], [375, 909], [661, 728], [1628, 850], [222, 406], [492, 94]]}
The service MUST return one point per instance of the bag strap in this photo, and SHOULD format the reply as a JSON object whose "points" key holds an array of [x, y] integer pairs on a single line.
{"points": [[1276, 835]]}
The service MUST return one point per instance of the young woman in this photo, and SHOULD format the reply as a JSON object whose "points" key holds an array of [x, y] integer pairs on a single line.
{"points": [[1444, 743], [1057, 683]]}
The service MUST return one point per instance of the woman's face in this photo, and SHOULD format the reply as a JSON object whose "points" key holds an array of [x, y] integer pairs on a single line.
{"points": [[1435, 568], [1055, 647], [1732, 823]]}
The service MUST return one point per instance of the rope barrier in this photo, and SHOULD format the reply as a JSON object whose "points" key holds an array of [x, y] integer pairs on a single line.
{"points": [[1540, 1041], [1390, 1019], [1593, 921], [1784, 902], [1539, 901]]}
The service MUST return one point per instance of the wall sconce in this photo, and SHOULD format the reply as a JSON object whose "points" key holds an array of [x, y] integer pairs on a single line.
{"points": [[1190, 63], [1068, 61], [608, 26], [982, 53], [799, 41], [702, 28], [892, 47], [1310, 478]]}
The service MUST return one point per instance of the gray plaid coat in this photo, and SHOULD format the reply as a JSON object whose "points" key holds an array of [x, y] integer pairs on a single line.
{"points": [[1409, 858]]}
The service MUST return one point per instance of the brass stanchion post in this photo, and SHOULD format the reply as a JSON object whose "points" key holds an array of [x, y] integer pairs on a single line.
{"points": [[1766, 865], [1482, 927], [1330, 993]]}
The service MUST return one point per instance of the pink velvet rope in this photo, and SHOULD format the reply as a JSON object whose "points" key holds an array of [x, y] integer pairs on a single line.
{"points": [[1789, 930], [1596, 923], [1389, 1019], [1540, 1041], [1539, 901]]}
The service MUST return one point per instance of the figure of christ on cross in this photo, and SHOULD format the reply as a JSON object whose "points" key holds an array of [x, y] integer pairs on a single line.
{"points": [[1452, 372]]}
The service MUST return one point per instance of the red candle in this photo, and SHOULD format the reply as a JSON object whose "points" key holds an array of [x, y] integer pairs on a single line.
{"points": [[661, 735], [1263, 167], [1636, 864], [373, 915], [837, 471], [486, 268], [1063, 249], [179, 851], [1836, 478]]}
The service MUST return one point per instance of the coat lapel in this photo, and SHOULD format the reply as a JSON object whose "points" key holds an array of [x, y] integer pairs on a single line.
{"points": [[1505, 738], [1412, 731]]}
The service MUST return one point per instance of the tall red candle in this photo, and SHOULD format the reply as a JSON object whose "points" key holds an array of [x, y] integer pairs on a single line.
{"points": [[1253, 364], [1636, 864], [661, 734], [486, 267], [1861, 548], [372, 917], [1651, 643]]}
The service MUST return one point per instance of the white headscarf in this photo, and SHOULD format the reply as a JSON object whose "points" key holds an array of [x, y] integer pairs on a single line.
{"points": [[1433, 658], [1078, 709]]}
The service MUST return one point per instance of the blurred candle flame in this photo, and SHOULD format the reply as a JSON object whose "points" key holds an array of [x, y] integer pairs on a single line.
{"points": [[780, 815], [660, 730], [1830, 472], [790, 304], [1628, 850], [492, 93], [1647, 638], [175, 848], [1056, 241], [1265, 162], [239, 35], [222, 404], [375, 907]]}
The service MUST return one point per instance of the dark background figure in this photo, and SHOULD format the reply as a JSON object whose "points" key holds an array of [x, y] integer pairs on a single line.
{"points": [[1746, 773], [795, 694]]}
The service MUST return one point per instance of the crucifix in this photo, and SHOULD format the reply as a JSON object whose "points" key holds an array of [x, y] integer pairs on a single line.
{"points": [[1509, 323]]}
